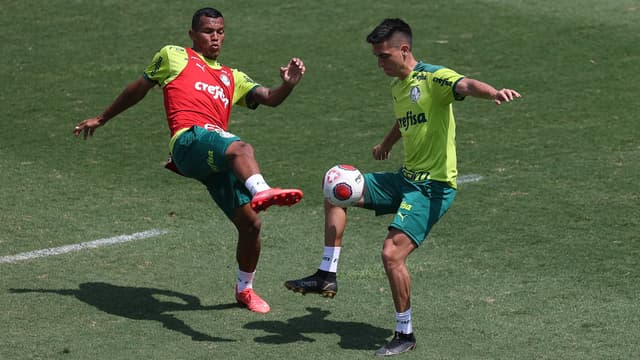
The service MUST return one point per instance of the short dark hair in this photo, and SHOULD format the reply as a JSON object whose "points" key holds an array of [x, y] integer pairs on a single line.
{"points": [[387, 28], [208, 12]]}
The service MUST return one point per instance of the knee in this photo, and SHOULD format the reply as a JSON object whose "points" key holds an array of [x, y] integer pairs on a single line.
{"points": [[393, 256], [396, 249], [239, 149], [250, 226], [389, 258]]}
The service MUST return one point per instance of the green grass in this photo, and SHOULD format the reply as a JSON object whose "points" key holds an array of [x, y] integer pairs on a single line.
{"points": [[539, 260]]}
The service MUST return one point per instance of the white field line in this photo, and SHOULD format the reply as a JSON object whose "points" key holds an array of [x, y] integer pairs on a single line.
{"points": [[85, 245], [469, 178]]}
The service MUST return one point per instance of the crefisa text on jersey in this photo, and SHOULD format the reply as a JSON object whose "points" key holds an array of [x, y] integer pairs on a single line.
{"points": [[411, 119]]}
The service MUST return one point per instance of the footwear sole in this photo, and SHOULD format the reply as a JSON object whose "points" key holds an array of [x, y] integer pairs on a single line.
{"points": [[412, 347], [252, 310], [283, 199], [325, 293]]}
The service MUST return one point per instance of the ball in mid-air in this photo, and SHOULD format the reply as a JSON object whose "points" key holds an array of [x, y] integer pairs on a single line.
{"points": [[343, 185]]}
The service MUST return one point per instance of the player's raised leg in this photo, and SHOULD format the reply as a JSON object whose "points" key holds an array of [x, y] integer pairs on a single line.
{"points": [[275, 196], [242, 160]]}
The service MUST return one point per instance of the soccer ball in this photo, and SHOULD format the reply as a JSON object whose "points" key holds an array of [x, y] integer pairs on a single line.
{"points": [[343, 185]]}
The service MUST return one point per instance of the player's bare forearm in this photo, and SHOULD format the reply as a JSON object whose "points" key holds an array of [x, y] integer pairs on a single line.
{"points": [[480, 89], [130, 96], [392, 136], [273, 96], [291, 74]]}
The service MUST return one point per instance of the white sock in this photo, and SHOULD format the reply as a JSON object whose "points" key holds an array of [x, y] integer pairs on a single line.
{"points": [[330, 259], [403, 322], [245, 280], [256, 183]]}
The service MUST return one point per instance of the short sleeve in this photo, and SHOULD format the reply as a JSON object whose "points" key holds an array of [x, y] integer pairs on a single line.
{"points": [[166, 64], [159, 68], [244, 87], [443, 85]]}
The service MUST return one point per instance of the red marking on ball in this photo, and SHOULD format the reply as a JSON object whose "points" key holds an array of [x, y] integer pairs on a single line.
{"points": [[347, 167], [342, 191]]}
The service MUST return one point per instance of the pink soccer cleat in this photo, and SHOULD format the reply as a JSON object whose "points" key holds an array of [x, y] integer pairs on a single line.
{"points": [[275, 196], [252, 301]]}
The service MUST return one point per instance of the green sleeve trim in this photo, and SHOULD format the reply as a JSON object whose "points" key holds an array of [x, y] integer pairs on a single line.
{"points": [[457, 96], [420, 66], [248, 99]]}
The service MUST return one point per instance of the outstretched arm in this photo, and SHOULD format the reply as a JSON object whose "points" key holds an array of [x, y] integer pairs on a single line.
{"points": [[291, 74], [479, 89], [130, 96]]}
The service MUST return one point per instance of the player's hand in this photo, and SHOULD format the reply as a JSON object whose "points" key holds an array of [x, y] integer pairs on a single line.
{"points": [[505, 95], [292, 73], [87, 127], [380, 152]]}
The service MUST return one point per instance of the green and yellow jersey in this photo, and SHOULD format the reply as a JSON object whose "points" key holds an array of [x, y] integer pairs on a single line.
{"points": [[422, 105], [169, 62]]}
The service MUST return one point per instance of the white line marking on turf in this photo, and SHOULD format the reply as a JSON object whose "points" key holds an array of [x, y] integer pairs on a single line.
{"points": [[469, 178], [85, 245]]}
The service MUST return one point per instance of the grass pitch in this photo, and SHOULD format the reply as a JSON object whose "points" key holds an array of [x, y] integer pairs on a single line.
{"points": [[539, 260]]}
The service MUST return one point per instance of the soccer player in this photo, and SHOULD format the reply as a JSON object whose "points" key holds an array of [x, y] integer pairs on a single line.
{"points": [[423, 189], [198, 95]]}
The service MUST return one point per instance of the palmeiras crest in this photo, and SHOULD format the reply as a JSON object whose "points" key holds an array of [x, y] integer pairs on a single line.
{"points": [[225, 79], [414, 94]]}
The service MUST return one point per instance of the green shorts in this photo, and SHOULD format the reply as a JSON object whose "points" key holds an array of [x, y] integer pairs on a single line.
{"points": [[200, 154], [417, 205]]}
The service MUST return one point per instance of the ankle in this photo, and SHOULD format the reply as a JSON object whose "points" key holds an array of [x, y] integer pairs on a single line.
{"points": [[326, 275]]}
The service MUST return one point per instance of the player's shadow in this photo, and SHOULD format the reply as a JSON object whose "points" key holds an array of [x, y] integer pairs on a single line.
{"points": [[139, 304], [353, 335]]}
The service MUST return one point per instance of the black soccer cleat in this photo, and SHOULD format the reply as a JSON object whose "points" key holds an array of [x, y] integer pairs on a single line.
{"points": [[399, 344], [321, 282]]}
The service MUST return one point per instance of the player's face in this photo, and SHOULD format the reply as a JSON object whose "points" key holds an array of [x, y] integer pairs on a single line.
{"points": [[394, 56], [389, 58], [209, 36]]}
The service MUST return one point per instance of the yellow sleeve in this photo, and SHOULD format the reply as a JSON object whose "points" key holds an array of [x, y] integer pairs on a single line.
{"points": [[166, 65], [244, 86], [444, 84]]}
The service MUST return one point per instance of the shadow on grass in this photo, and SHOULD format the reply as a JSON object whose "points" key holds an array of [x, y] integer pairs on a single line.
{"points": [[353, 335], [139, 304]]}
